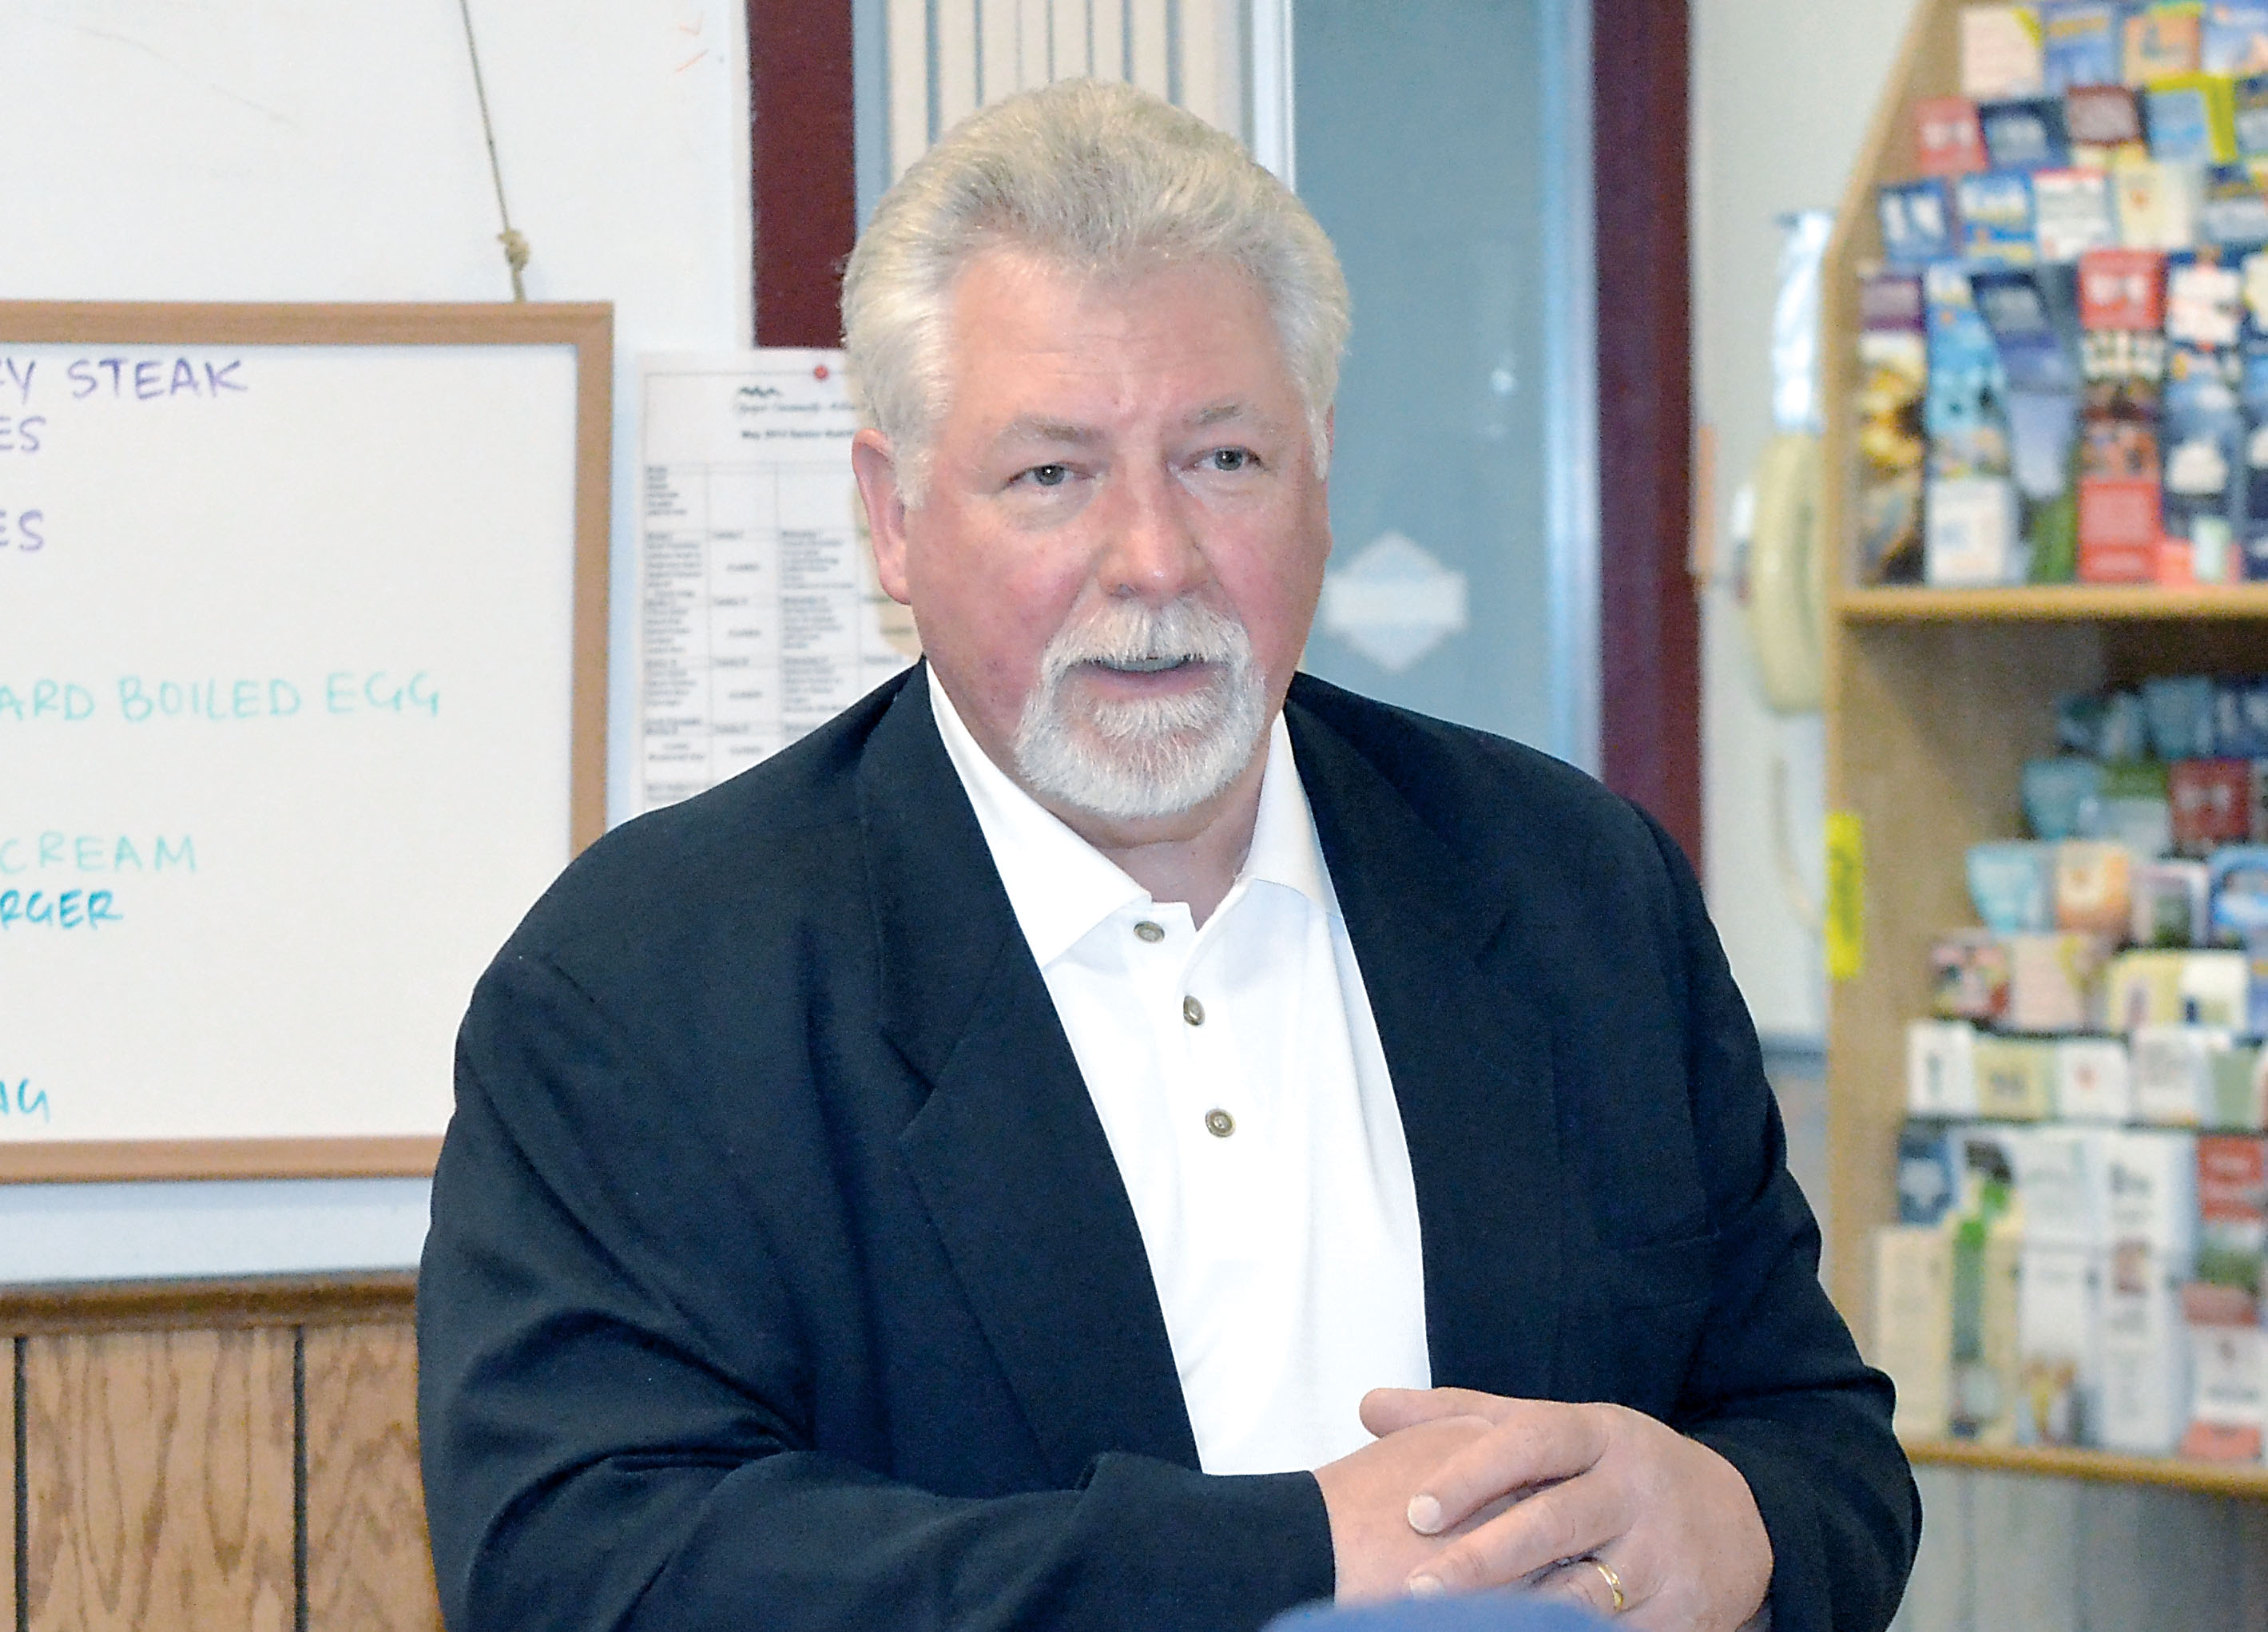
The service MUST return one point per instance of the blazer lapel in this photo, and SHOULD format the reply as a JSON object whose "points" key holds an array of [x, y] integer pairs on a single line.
{"points": [[1470, 1057], [1007, 1152]]}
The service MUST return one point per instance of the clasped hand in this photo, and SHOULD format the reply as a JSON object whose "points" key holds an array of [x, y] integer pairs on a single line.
{"points": [[1463, 1491]]}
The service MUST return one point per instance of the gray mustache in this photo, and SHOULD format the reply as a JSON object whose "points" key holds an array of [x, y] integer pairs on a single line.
{"points": [[1128, 633]]}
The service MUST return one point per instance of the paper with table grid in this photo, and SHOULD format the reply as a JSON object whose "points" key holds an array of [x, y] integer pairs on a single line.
{"points": [[760, 617]]}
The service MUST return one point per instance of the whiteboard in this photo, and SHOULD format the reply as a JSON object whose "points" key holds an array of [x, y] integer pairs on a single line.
{"points": [[302, 618]]}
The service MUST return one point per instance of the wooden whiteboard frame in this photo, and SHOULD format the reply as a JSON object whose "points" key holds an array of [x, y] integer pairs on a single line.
{"points": [[590, 329]]}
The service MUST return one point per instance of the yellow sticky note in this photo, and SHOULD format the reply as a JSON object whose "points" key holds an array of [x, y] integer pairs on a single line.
{"points": [[1847, 896]]}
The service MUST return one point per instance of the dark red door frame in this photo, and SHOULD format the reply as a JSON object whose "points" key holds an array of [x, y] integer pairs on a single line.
{"points": [[803, 131], [1649, 622], [1649, 625]]}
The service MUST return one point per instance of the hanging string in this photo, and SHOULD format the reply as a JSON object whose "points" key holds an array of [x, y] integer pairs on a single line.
{"points": [[515, 247]]}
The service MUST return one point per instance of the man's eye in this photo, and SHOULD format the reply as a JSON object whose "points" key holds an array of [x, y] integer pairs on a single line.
{"points": [[1048, 475], [1230, 458]]}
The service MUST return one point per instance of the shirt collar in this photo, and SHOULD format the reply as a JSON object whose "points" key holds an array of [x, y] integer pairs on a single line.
{"points": [[1284, 849], [1060, 887]]}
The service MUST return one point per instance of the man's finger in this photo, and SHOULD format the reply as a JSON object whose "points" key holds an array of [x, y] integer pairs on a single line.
{"points": [[1590, 1581], [1386, 1410], [1531, 1448], [1581, 1516]]}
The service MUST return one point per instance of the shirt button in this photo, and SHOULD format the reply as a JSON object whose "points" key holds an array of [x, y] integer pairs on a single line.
{"points": [[1149, 931], [1219, 1124], [1193, 1011]]}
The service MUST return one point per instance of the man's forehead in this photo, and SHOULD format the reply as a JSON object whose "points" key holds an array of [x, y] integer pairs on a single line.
{"points": [[1048, 356], [1078, 433], [1012, 281], [1013, 257]]}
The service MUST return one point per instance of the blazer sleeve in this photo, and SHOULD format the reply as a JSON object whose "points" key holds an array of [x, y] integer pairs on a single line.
{"points": [[616, 1402], [1777, 1388]]}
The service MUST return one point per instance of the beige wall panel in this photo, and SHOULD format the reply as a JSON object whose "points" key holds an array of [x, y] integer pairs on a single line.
{"points": [[1109, 42], [8, 1490], [956, 62], [1071, 58], [160, 1473], [1200, 60], [2252, 1566], [1000, 33], [2027, 1532], [1149, 49], [369, 1568], [908, 57], [1032, 40]]}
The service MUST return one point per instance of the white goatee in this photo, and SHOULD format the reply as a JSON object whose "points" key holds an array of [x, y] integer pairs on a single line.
{"points": [[1128, 759]]}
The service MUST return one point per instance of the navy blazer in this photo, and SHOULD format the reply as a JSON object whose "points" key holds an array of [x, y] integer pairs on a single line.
{"points": [[780, 1274]]}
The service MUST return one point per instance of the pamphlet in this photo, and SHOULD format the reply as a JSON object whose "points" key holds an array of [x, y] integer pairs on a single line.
{"points": [[1949, 141], [2191, 119], [2071, 213], [2000, 52], [1894, 377], [2026, 134], [1917, 219], [2235, 37], [2079, 43], [2162, 40], [1996, 217]]}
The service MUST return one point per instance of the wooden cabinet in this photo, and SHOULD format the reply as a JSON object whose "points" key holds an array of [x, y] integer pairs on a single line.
{"points": [[1935, 698], [234, 1455]]}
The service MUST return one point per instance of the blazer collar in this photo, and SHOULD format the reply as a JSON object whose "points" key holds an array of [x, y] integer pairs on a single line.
{"points": [[1007, 1152], [1469, 1051]]}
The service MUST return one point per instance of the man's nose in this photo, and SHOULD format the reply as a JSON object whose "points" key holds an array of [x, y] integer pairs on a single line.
{"points": [[1154, 549]]}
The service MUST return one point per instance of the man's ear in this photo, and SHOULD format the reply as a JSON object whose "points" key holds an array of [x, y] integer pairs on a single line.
{"points": [[874, 462]]}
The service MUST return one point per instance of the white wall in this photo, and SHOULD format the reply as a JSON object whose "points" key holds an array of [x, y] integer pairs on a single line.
{"points": [[324, 150], [1783, 92]]}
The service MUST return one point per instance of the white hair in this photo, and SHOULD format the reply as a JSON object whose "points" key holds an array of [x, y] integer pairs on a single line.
{"points": [[1107, 181]]}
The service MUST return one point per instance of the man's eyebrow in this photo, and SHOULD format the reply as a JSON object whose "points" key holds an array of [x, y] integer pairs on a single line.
{"points": [[1031, 428], [1235, 412]]}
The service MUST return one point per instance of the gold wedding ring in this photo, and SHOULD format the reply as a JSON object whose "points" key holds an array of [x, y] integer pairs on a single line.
{"points": [[1605, 1574]]}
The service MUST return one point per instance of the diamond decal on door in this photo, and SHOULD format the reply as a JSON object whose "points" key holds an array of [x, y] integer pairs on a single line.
{"points": [[1393, 602]]}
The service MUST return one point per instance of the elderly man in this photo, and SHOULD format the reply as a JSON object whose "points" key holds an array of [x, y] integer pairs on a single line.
{"points": [[1109, 1133]]}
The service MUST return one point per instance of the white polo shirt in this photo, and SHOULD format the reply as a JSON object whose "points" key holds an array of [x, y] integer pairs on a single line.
{"points": [[1238, 1074]]}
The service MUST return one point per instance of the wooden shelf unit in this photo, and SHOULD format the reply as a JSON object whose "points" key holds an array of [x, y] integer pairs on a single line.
{"points": [[2248, 1480], [2099, 603], [1935, 700]]}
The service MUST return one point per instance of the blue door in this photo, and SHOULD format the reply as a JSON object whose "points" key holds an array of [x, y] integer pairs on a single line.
{"points": [[1445, 146]]}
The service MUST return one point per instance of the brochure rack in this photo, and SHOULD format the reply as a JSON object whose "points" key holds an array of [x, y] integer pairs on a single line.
{"points": [[1934, 699]]}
